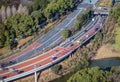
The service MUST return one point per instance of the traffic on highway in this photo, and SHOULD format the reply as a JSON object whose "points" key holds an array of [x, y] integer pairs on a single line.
{"points": [[49, 58], [25, 65], [50, 38]]}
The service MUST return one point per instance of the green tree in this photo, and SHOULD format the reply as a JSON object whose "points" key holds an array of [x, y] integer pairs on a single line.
{"points": [[117, 39], [118, 20], [65, 33], [82, 19], [56, 68], [93, 74], [20, 23], [114, 74], [76, 25], [39, 4], [57, 6]]}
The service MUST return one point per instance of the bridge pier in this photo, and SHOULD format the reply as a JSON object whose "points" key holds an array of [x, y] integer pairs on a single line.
{"points": [[35, 76]]}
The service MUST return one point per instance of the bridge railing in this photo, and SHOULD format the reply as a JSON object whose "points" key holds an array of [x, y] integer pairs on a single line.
{"points": [[47, 65]]}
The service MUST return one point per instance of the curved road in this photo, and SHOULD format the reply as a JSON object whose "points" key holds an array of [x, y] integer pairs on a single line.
{"points": [[51, 38], [45, 60]]}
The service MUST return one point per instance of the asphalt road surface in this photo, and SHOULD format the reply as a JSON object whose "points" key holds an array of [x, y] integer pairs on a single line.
{"points": [[79, 34], [28, 67], [53, 36]]}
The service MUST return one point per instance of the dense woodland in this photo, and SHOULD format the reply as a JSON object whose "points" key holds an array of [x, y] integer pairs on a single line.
{"points": [[95, 74], [115, 13], [20, 21]]}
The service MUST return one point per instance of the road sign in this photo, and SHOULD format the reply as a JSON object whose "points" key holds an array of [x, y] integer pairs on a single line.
{"points": [[90, 1]]}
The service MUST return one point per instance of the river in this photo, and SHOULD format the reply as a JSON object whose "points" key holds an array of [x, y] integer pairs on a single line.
{"points": [[102, 63]]}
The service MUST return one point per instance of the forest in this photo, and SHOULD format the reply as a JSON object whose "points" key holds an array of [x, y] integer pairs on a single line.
{"points": [[20, 21]]}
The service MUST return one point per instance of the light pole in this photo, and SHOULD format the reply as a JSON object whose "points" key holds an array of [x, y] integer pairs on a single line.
{"points": [[35, 66]]}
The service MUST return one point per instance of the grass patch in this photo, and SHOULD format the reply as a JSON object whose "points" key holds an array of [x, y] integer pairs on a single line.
{"points": [[116, 45]]}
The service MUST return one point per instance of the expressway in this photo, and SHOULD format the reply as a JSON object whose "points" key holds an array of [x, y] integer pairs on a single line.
{"points": [[51, 39], [46, 60], [48, 40]]}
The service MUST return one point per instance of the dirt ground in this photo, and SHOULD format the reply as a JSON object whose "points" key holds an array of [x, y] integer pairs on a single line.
{"points": [[22, 41], [3, 51], [107, 51], [105, 3]]}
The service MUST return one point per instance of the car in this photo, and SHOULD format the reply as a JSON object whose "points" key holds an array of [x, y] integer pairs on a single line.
{"points": [[86, 35], [93, 19], [78, 41], [54, 57], [85, 30], [70, 39], [71, 44], [105, 9]]}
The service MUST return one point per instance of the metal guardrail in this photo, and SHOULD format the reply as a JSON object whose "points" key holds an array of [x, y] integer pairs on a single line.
{"points": [[46, 65]]}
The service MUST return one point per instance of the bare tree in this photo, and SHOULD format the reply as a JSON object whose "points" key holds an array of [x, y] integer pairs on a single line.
{"points": [[20, 9], [3, 14], [8, 12], [0, 16], [13, 10], [25, 10]]}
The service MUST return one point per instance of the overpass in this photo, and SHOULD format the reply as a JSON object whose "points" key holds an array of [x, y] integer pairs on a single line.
{"points": [[45, 60]]}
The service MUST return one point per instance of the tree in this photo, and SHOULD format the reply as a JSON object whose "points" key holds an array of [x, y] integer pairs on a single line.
{"points": [[82, 19], [3, 13], [37, 17], [56, 68], [115, 12], [118, 20], [7, 42], [114, 74], [35, 5], [76, 26], [8, 12], [2, 37], [65, 33], [13, 10], [20, 9], [25, 10], [58, 6], [117, 38], [39, 4], [93, 74]]}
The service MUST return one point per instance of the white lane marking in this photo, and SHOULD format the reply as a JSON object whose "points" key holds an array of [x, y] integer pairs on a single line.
{"points": [[33, 63], [54, 35], [34, 57], [55, 41], [67, 25]]}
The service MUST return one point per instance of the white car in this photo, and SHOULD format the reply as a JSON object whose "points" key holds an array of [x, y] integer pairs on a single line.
{"points": [[93, 19]]}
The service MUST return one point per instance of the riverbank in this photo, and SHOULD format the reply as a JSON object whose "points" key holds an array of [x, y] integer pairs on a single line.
{"points": [[106, 51]]}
